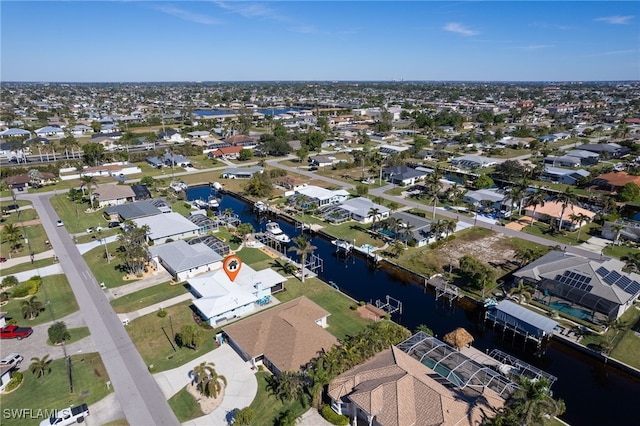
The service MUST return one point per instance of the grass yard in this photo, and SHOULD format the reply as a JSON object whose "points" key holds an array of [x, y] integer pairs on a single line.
{"points": [[76, 334], [20, 216], [108, 273], [26, 266], [540, 229], [228, 237], [56, 296], [185, 406], [155, 347], [52, 391], [147, 297], [252, 256], [75, 217], [619, 251], [343, 321], [36, 237], [268, 407]]}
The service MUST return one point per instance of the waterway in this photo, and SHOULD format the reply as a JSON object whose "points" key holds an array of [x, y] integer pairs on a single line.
{"points": [[267, 111], [593, 393]]}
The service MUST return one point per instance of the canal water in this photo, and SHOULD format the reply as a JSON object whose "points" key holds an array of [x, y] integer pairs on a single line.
{"points": [[594, 394]]}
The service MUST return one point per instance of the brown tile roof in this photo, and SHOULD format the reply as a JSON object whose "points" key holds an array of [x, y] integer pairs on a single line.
{"points": [[399, 391], [554, 208], [113, 192], [619, 179], [287, 334], [227, 150]]}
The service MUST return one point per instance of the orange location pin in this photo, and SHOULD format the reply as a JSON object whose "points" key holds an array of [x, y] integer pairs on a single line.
{"points": [[231, 266]]}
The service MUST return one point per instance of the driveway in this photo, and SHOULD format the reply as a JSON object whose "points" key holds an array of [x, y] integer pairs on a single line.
{"points": [[241, 389]]}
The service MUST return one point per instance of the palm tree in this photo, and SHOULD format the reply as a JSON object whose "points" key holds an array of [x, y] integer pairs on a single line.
{"points": [[207, 380], [40, 366], [579, 219], [523, 292], [566, 198], [302, 248], [287, 386], [632, 262], [284, 266], [438, 227], [532, 403], [31, 308], [450, 226], [397, 248], [434, 185], [374, 212], [537, 199], [88, 182], [12, 233], [286, 418], [617, 228], [517, 196], [393, 206]]}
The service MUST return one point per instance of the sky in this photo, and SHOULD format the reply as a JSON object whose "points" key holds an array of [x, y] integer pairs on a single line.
{"points": [[150, 41]]}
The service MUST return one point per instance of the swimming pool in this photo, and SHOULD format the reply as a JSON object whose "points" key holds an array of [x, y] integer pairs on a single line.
{"points": [[570, 310]]}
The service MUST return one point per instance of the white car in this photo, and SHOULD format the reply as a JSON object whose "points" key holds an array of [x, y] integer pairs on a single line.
{"points": [[13, 360], [59, 223]]}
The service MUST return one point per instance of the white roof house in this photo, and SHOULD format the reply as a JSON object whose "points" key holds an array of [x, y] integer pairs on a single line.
{"points": [[473, 161], [11, 133], [359, 209], [49, 131], [219, 299], [168, 226], [322, 196], [484, 196], [183, 260]]}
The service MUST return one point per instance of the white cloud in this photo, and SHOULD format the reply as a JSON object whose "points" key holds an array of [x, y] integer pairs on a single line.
{"points": [[186, 15], [250, 10], [455, 27], [613, 52], [616, 20]]}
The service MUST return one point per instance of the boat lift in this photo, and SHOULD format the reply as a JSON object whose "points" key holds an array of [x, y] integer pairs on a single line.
{"points": [[391, 306]]}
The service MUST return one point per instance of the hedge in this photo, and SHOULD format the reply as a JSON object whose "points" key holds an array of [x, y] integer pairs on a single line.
{"points": [[333, 417]]}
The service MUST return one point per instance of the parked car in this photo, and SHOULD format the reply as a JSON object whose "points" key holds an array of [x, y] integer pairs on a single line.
{"points": [[3, 259], [67, 416], [59, 223], [90, 230], [15, 332], [14, 360]]}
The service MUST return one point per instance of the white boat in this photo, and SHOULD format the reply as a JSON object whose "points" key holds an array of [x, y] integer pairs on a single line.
{"points": [[199, 204], [274, 229], [178, 186], [260, 207], [342, 245], [213, 203]]}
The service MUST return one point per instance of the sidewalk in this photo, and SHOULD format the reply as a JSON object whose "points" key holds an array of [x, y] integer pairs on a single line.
{"points": [[161, 276], [54, 269], [240, 391], [130, 316]]}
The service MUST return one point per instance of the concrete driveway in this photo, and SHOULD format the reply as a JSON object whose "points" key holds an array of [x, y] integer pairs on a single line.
{"points": [[241, 389]]}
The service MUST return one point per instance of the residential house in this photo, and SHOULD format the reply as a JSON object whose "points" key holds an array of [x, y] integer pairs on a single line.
{"points": [[403, 175], [141, 191], [138, 209], [563, 161], [169, 226], [321, 196], [30, 179], [587, 158], [283, 338], [473, 162], [565, 176], [81, 129], [629, 230], [359, 209], [155, 162], [183, 260], [219, 300], [5, 376], [420, 230], [15, 133], [290, 183], [597, 286], [49, 131], [322, 160], [113, 195], [225, 153], [173, 160], [608, 150], [612, 182], [395, 389], [486, 198], [241, 172], [551, 212]]}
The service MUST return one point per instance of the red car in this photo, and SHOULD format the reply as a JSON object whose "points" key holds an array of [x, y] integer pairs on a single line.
{"points": [[15, 332]]}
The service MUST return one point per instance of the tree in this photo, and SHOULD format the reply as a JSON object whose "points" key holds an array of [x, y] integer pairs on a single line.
{"points": [[190, 336], [362, 190], [93, 153], [244, 416], [88, 182], [31, 308], [434, 186], [40, 367], [424, 329], [537, 199], [477, 273], [259, 185], [287, 386], [13, 235], [58, 332], [374, 213], [397, 248], [207, 379], [133, 248], [393, 206], [509, 170], [302, 248], [566, 198], [483, 182], [579, 220], [629, 192], [244, 229], [632, 262], [531, 404], [149, 182], [245, 154], [617, 229], [302, 153], [523, 291], [9, 281], [286, 418]]}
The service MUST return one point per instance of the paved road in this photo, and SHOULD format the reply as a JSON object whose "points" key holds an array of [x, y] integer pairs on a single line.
{"points": [[138, 393]]}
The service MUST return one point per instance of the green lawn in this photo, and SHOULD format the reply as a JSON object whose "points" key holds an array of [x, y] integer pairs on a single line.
{"points": [[26, 266], [185, 406], [74, 216], [619, 251], [20, 216], [148, 334], [228, 237], [36, 237], [108, 273], [268, 407], [252, 256], [76, 334], [540, 229], [147, 297], [57, 297], [52, 391], [343, 321]]}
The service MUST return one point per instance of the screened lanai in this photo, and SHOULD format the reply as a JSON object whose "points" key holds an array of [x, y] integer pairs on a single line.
{"points": [[457, 368]]}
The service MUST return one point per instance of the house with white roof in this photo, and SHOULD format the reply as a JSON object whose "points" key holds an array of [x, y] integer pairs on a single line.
{"points": [[241, 172], [322, 196], [49, 131], [15, 133], [167, 226], [360, 210], [566, 176], [473, 162], [218, 299], [485, 198], [183, 260]]}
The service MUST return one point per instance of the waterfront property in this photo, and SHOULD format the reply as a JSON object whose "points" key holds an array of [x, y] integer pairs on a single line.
{"points": [[138, 209], [283, 338], [241, 172], [219, 299], [393, 388], [168, 226], [113, 195], [551, 211], [315, 195], [597, 286], [183, 260], [522, 321]]}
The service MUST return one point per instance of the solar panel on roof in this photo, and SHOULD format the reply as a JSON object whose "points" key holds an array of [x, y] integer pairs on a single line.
{"points": [[602, 271], [589, 288], [623, 282], [572, 274], [612, 277], [633, 288]]}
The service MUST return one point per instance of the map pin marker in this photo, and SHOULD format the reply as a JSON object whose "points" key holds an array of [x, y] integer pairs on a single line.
{"points": [[231, 266]]}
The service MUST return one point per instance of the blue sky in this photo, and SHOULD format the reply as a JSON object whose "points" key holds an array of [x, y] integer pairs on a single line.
{"points": [[113, 41]]}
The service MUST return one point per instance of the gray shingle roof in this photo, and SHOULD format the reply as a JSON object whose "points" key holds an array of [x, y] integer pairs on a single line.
{"points": [[181, 256]]}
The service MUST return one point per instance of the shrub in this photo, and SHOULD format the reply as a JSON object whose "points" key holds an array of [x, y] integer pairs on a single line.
{"points": [[162, 313], [334, 418], [21, 290], [244, 416], [353, 307], [9, 281], [14, 382], [362, 303], [58, 332]]}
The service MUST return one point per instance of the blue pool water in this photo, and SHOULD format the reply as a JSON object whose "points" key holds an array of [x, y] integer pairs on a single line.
{"points": [[570, 310]]}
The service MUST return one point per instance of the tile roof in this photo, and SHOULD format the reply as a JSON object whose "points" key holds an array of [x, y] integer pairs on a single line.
{"points": [[554, 208], [287, 334], [113, 192]]}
